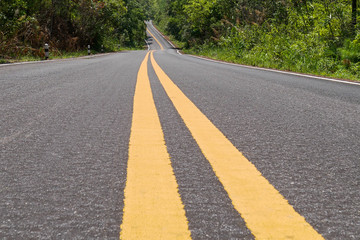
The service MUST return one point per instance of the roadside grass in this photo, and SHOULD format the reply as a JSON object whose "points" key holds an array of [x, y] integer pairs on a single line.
{"points": [[342, 71], [53, 55], [60, 55], [2, 61]]}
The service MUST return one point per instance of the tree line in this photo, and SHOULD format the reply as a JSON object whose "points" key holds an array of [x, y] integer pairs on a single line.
{"points": [[317, 36], [70, 25]]}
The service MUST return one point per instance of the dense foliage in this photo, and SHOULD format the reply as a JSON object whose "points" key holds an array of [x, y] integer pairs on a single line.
{"points": [[316, 36], [70, 25]]}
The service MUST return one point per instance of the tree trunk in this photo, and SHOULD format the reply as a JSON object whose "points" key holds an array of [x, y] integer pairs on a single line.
{"points": [[354, 15]]}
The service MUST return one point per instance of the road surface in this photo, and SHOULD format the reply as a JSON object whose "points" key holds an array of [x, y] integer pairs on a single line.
{"points": [[158, 145]]}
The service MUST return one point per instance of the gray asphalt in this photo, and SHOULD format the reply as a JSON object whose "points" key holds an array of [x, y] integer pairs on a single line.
{"points": [[64, 132]]}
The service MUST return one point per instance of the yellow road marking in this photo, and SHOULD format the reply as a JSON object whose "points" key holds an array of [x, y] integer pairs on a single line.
{"points": [[153, 208], [267, 214], [161, 47]]}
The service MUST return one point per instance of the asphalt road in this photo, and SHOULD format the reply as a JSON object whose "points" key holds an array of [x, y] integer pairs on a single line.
{"points": [[64, 139]]}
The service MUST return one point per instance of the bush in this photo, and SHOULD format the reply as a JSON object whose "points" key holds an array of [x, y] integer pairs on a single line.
{"points": [[351, 50]]}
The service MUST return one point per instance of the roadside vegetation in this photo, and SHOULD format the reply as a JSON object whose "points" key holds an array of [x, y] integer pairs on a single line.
{"points": [[319, 37], [68, 26]]}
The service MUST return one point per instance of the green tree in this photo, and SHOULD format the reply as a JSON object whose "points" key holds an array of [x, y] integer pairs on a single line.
{"points": [[25, 25]]}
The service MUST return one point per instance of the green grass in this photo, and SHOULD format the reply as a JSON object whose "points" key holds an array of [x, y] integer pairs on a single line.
{"points": [[2, 61], [60, 55], [248, 58], [57, 55]]}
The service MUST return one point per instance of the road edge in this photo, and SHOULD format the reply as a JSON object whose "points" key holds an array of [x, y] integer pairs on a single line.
{"points": [[57, 59], [276, 70]]}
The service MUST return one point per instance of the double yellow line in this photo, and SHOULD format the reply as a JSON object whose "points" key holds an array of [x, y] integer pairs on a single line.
{"points": [[153, 207], [161, 46]]}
